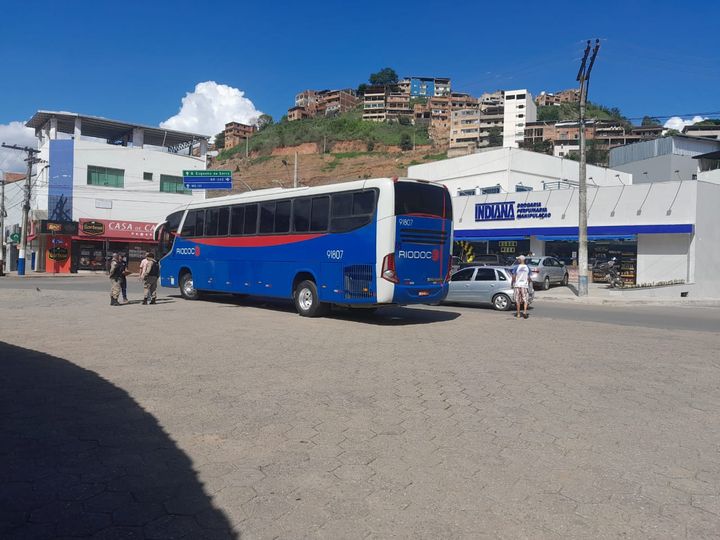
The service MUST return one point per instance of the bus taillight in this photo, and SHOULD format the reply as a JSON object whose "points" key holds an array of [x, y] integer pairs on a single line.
{"points": [[388, 268]]}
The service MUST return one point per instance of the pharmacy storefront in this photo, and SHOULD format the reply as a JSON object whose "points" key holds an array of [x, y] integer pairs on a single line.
{"points": [[655, 230]]}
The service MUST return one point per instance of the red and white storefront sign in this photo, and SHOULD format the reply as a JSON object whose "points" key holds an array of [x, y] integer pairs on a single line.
{"points": [[115, 229]]}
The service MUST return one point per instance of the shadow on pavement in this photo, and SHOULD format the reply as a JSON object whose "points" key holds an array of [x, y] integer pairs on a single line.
{"points": [[383, 316], [79, 457]]}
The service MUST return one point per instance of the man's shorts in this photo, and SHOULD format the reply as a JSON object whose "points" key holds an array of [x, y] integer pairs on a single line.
{"points": [[521, 295]]}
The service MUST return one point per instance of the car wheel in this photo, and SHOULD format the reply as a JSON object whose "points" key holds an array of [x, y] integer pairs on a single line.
{"points": [[187, 287], [307, 301], [546, 283], [501, 302], [565, 280]]}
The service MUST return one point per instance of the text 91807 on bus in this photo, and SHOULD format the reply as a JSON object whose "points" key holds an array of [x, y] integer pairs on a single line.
{"points": [[358, 244]]}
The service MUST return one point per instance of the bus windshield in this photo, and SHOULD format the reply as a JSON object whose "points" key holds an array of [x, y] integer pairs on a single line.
{"points": [[422, 200]]}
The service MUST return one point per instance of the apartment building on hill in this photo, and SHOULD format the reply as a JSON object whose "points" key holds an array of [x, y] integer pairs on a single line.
{"points": [[425, 86], [571, 95], [236, 133], [312, 103]]}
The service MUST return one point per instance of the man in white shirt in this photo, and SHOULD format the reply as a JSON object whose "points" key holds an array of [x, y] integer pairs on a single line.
{"points": [[520, 283]]}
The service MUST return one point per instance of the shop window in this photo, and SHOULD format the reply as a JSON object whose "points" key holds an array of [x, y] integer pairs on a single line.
{"points": [[520, 187], [173, 184], [148, 176], [490, 190], [105, 176]]}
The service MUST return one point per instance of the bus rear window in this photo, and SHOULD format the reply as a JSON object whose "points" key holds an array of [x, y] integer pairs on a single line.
{"points": [[422, 199]]}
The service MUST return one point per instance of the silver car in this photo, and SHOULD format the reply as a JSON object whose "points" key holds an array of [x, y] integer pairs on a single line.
{"points": [[545, 271], [482, 285]]}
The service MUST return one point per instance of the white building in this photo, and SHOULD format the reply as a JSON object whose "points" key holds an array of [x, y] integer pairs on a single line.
{"points": [[661, 232], [520, 109], [667, 158], [100, 187], [506, 170]]}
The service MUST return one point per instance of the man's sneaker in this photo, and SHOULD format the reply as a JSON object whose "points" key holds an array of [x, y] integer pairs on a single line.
{"points": [[144, 302], [153, 301]]}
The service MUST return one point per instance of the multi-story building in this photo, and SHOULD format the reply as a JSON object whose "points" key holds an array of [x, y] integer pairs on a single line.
{"points": [[102, 186], [572, 95], [312, 103], [471, 128], [460, 101], [397, 106], [565, 136], [425, 86], [236, 133], [296, 113], [518, 111], [374, 103], [707, 131]]}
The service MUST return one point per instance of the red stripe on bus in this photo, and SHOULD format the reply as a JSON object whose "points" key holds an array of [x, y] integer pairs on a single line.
{"points": [[255, 241]]}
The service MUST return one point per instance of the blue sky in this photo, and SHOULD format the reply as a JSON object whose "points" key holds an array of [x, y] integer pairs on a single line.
{"points": [[135, 61]]}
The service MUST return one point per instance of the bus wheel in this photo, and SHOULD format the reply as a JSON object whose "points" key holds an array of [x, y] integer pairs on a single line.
{"points": [[187, 288], [307, 301]]}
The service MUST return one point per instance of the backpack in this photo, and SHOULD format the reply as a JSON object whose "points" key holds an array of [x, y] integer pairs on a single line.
{"points": [[154, 269]]}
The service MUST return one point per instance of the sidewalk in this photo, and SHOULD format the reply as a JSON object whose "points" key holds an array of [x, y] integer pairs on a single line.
{"points": [[600, 293], [31, 275]]}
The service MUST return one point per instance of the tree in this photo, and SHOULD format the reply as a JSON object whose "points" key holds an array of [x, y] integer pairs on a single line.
{"points": [[384, 77], [648, 121], [406, 142], [495, 136], [264, 121], [361, 89], [594, 154], [541, 147], [220, 140], [548, 113]]}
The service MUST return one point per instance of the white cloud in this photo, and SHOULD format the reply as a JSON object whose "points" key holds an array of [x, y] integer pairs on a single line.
{"points": [[210, 107], [675, 122], [15, 133]]}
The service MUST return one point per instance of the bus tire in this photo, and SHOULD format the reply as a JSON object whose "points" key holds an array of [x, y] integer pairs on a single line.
{"points": [[187, 288], [307, 300]]}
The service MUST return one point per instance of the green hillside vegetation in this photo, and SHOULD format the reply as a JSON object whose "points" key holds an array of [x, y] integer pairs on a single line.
{"points": [[328, 130], [571, 111]]}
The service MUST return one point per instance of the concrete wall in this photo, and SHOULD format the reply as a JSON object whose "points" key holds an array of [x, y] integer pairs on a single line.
{"points": [[662, 257], [661, 168], [712, 177], [607, 206], [139, 200], [707, 241], [510, 167]]}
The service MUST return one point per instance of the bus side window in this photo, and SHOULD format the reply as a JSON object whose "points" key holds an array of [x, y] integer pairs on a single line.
{"points": [[199, 222], [282, 217], [237, 220], [267, 217], [301, 215], [251, 215], [212, 216], [223, 221], [320, 213], [189, 225]]}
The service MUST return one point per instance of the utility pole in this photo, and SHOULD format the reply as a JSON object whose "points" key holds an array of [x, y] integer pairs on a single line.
{"points": [[2, 223], [295, 175], [31, 160], [247, 146], [583, 78]]}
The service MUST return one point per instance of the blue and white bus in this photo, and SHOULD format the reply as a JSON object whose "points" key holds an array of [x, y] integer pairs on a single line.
{"points": [[358, 244]]}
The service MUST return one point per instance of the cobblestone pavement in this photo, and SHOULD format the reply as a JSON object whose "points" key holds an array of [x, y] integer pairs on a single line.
{"points": [[225, 419]]}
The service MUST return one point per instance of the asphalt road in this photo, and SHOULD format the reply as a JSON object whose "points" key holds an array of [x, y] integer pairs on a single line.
{"points": [[702, 319]]}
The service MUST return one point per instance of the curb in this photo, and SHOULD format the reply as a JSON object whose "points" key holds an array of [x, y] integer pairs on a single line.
{"points": [[635, 302]]}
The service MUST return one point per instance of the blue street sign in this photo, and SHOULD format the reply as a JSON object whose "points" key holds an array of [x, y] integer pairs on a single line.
{"points": [[207, 179]]}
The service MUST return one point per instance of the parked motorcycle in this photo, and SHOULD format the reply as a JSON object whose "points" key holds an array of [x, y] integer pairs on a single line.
{"points": [[612, 273]]}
